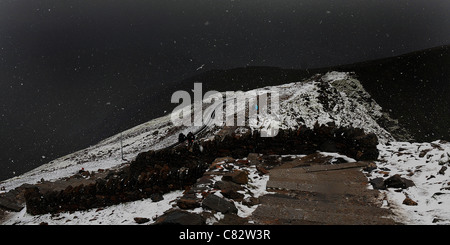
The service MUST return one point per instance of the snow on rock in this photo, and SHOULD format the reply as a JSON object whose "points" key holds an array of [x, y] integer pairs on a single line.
{"points": [[334, 97], [426, 165]]}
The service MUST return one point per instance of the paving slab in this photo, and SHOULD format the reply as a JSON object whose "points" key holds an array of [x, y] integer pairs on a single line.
{"points": [[321, 194]]}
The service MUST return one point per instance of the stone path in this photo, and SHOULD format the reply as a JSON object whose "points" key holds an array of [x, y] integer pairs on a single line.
{"points": [[320, 194]]}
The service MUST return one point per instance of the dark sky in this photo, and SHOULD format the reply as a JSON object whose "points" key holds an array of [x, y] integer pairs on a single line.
{"points": [[66, 66], [221, 33]]}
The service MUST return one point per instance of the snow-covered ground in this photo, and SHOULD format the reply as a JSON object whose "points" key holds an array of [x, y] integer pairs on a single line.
{"points": [[335, 97], [426, 165]]}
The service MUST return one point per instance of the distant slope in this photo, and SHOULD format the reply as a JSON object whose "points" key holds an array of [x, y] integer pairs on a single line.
{"points": [[414, 88]]}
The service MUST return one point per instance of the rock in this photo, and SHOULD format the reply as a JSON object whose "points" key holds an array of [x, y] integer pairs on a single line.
{"points": [[237, 176], [156, 197], [188, 201], [179, 217], [232, 194], [205, 180], [232, 219], [424, 152], [242, 162], [219, 204], [251, 201], [262, 170], [141, 220], [408, 201], [314, 159], [378, 183], [10, 201], [370, 167], [227, 185], [253, 158], [442, 171], [398, 182]]}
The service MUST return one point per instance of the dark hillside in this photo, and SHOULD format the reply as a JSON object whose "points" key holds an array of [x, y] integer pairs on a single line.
{"points": [[414, 88]]}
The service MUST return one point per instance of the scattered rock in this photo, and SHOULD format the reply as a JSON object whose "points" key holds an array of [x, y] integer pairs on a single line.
{"points": [[431, 177], [370, 167], [398, 182], [316, 159], [378, 183], [262, 170], [384, 173], [232, 194], [232, 219], [436, 220], [408, 201], [9, 201], [156, 197], [188, 202], [442, 171], [204, 180], [237, 176], [141, 220], [179, 217], [227, 186], [253, 158], [219, 204], [251, 201], [242, 162], [424, 152]]}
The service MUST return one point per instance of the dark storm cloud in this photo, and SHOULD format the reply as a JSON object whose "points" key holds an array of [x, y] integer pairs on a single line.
{"points": [[68, 66], [231, 33]]}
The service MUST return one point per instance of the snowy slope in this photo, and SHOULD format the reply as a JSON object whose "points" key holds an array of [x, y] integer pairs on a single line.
{"points": [[426, 165], [335, 97]]}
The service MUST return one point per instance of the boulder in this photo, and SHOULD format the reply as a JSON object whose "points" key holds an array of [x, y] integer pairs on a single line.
{"points": [[232, 194], [262, 170], [219, 204], [141, 220], [188, 201], [237, 176], [156, 197], [398, 182], [378, 183], [370, 167], [227, 186]]}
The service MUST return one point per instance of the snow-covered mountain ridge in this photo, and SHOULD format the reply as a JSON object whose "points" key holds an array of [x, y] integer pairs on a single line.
{"points": [[334, 97]]}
